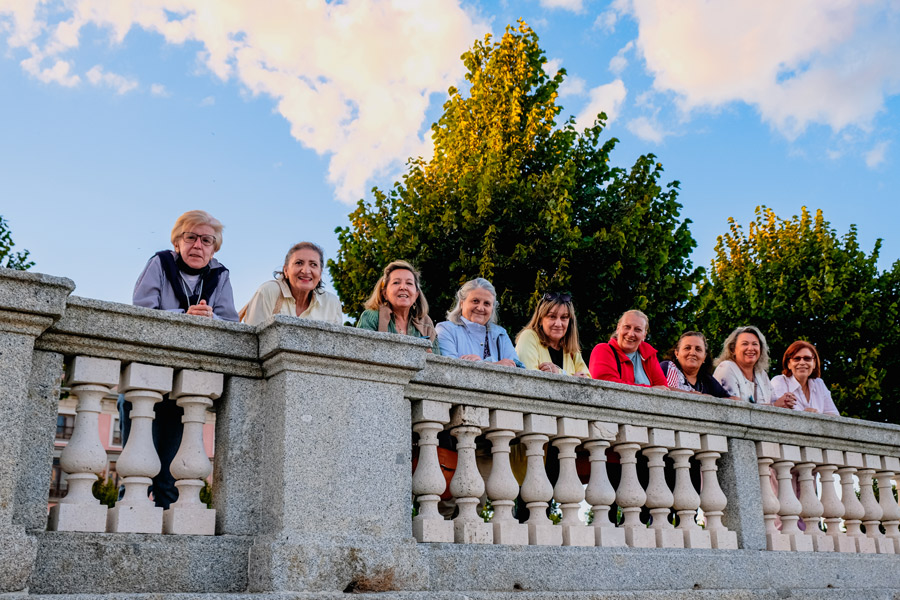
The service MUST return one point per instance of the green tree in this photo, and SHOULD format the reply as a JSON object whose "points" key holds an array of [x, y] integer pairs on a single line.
{"points": [[106, 491], [796, 279], [8, 258], [531, 206]]}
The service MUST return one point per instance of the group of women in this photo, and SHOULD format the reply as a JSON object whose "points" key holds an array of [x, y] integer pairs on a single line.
{"points": [[189, 279]]}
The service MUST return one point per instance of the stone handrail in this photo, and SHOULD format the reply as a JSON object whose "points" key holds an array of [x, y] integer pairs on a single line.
{"points": [[313, 480]]}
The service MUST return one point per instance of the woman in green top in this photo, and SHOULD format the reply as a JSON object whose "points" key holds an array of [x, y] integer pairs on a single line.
{"points": [[397, 304]]}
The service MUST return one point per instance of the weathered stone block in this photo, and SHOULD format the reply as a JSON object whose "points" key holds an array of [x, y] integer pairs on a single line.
{"points": [[137, 376], [78, 517], [189, 521], [197, 383], [697, 538], [577, 535], [778, 542], [640, 537], [768, 450], [832, 457], [811, 455], [669, 538], [474, 416], [430, 410], [602, 430], [472, 532], [800, 542], [542, 424], [688, 440], [790, 452], [508, 420], [854, 459], [134, 519], [609, 537], [544, 534], [723, 539], [432, 530], [872, 461], [713, 443], [98, 371], [632, 434], [510, 533], [891, 463], [664, 438], [576, 428]]}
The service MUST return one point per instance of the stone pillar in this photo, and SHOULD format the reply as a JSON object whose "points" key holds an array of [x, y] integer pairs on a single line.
{"points": [[336, 425], [854, 511], [143, 386], [630, 496], [83, 458], [687, 500], [712, 499], [194, 391], [812, 509], [502, 487], [29, 304], [467, 486], [788, 503], [739, 478], [890, 518], [569, 491], [600, 492], [873, 511], [659, 497], [536, 489], [428, 482], [768, 453]]}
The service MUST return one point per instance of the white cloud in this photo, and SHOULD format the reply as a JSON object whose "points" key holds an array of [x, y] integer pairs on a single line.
{"points": [[618, 62], [208, 101], [606, 98], [833, 154], [121, 84], [159, 90], [648, 129], [573, 5], [572, 85], [353, 78], [606, 21], [59, 73], [876, 156], [552, 66], [830, 62]]}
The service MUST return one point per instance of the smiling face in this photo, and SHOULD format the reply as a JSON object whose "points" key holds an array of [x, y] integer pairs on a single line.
{"points": [[690, 354], [400, 290], [802, 364], [195, 254], [478, 306], [631, 332], [303, 270], [746, 350], [555, 324]]}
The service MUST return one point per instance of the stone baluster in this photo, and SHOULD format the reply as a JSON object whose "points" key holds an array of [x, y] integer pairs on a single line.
{"points": [[854, 511], [600, 492], [890, 517], [659, 496], [467, 485], [811, 509], [569, 491], [194, 391], [143, 386], [502, 487], [789, 505], [712, 499], [84, 458], [630, 496], [536, 488], [832, 507], [873, 511], [767, 453], [687, 500], [428, 482]]}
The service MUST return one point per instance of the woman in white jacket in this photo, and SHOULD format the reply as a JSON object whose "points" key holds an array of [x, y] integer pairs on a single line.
{"points": [[802, 377]]}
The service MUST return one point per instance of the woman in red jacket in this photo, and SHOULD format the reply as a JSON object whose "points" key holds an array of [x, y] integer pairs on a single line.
{"points": [[627, 358]]}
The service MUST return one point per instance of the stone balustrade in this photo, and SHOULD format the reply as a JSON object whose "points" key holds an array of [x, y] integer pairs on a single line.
{"points": [[313, 481]]}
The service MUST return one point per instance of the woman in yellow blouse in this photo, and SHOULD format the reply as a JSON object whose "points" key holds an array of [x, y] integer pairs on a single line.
{"points": [[549, 342]]}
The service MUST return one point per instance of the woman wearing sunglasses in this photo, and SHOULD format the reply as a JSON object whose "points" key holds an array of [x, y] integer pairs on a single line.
{"points": [[549, 342], [802, 377]]}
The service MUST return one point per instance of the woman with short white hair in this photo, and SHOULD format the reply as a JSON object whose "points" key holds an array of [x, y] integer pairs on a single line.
{"points": [[471, 331]]}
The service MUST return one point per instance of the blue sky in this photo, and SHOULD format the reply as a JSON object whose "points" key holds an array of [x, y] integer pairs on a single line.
{"points": [[277, 117]]}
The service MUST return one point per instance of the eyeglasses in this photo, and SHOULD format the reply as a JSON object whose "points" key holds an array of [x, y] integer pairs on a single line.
{"points": [[554, 296], [808, 359], [191, 238]]}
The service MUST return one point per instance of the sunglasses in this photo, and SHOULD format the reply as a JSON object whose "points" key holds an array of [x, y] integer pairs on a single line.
{"points": [[554, 296]]}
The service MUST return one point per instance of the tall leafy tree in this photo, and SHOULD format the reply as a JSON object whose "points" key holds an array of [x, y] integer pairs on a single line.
{"points": [[8, 258], [797, 279], [532, 206]]}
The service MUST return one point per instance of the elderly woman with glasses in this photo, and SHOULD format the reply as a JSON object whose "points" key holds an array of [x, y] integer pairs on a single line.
{"points": [[801, 376], [188, 279], [471, 331], [549, 342]]}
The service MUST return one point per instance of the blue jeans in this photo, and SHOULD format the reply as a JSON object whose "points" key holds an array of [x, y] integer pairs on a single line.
{"points": [[167, 432]]}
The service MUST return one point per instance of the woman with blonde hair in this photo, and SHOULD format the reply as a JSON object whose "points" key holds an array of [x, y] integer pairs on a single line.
{"points": [[549, 342], [397, 305], [741, 368]]}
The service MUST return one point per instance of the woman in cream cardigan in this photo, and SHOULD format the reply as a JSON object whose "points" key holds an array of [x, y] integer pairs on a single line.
{"points": [[549, 342]]}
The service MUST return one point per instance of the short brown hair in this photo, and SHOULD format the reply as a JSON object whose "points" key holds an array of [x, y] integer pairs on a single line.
{"points": [[794, 349]]}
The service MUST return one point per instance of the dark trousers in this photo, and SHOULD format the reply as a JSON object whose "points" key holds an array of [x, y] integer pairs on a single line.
{"points": [[167, 432]]}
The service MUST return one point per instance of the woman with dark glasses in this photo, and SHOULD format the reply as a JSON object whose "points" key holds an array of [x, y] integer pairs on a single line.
{"points": [[549, 342], [802, 377]]}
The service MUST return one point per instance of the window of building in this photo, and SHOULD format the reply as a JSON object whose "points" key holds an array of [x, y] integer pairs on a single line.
{"points": [[65, 424], [57, 482], [116, 433]]}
